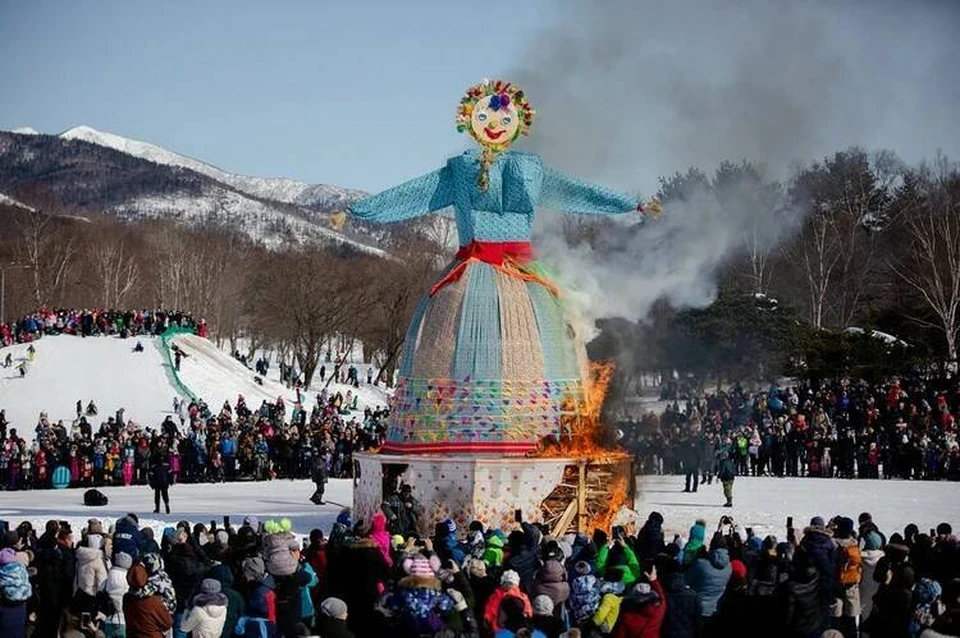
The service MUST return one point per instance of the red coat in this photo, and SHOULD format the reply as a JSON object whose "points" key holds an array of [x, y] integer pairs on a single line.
{"points": [[642, 621]]}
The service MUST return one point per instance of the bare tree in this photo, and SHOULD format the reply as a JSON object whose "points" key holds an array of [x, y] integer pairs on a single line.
{"points": [[46, 248], [117, 270], [930, 211]]}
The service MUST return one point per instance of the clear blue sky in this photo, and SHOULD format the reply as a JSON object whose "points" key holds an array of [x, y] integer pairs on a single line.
{"points": [[359, 93]]}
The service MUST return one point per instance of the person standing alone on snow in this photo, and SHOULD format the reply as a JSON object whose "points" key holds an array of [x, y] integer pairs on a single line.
{"points": [[160, 482], [319, 475]]}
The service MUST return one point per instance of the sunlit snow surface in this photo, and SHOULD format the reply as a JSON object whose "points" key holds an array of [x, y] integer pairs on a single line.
{"points": [[761, 503]]}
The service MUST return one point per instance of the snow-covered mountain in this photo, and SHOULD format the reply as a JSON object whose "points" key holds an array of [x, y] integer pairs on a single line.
{"points": [[279, 189], [94, 171]]}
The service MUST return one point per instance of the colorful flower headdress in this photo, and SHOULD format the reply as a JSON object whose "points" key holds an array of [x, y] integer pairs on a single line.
{"points": [[495, 113], [502, 95]]}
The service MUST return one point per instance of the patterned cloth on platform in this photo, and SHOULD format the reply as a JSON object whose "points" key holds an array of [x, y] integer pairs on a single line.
{"points": [[490, 360]]}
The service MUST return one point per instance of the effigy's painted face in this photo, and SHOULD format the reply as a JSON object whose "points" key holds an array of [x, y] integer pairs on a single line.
{"points": [[494, 123]]}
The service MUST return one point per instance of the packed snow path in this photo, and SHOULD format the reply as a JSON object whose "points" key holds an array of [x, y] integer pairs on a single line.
{"points": [[760, 503], [103, 369]]}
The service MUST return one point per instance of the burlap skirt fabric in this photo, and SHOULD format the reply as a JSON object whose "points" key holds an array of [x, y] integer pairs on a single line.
{"points": [[490, 364]]}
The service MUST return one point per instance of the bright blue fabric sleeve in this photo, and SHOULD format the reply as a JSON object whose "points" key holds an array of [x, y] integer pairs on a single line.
{"points": [[570, 195], [417, 197]]}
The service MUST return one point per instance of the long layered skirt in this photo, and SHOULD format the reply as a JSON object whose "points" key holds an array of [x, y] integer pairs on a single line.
{"points": [[490, 365]]}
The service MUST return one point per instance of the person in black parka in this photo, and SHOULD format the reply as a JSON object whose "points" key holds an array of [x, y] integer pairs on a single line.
{"points": [[160, 482]]}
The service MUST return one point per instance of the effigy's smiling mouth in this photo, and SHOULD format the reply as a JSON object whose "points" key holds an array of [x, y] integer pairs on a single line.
{"points": [[494, 135]]}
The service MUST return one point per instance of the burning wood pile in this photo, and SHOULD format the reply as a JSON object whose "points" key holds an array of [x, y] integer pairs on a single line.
{"points": [[601, 480]]}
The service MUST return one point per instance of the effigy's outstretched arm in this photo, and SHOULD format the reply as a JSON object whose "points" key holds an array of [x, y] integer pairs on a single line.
{"points": [[419, 196], [570, 195]]}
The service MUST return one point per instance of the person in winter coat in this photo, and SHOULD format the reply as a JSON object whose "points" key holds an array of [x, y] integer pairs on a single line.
{"points": [[618, 557], [509, 588], [870, 554], [127, 537], [481, 583], [846, 607], [145, 613], [333, 619], [691, 551], [683, 615], [708, 576], [116, 588], [15, 591], [522, 553], [461, 622], [207, 612], [357, 575], [515, 621], [551, 581], [803, 614], [893, 606], [185, 567], [290, 590], [160, 483], [584, 594], [235, 603], [823, 553], [545, 618], [419, 601], [260, 616], [650, 541], [493, 550], [380, 535], [91, 565], [611, 596], [642, 610]]}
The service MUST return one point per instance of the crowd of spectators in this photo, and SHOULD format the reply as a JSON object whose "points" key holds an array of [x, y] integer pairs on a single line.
{"points": [[368, 579], [95, 322], [237, 443], [906, 429]]}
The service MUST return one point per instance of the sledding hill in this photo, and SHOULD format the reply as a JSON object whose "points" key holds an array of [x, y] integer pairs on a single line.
{"points": [[103, 369], [106, 370], [216, 377]]}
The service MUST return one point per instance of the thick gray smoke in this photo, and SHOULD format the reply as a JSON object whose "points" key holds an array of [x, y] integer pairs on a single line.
{"points": [[628, 90]]}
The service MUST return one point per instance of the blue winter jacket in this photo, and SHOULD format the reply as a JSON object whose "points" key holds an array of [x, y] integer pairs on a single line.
{"points": [[306, 602], [708, 577], [127, 538]]}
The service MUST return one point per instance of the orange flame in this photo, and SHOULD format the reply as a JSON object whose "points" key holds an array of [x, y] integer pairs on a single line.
{"points": [[583, 436]]}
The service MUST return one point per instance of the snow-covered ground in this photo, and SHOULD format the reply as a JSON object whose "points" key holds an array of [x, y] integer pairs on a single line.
{"points": [[107, 371], [103, 369], [760, 503], [217, 377]]}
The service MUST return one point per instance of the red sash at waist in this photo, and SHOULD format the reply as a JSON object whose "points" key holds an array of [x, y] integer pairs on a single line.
{"points": [[509, 257]]}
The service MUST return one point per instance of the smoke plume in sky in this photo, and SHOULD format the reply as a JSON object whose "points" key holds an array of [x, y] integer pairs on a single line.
{"points": [[629, 90]]}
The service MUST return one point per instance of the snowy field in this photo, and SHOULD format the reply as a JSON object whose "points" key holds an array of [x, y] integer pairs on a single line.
{"points": [[107, 371], [104, 369], [761, 503]]}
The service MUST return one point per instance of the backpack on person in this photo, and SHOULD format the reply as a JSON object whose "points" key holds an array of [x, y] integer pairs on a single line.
{"points": [[851, 564]]}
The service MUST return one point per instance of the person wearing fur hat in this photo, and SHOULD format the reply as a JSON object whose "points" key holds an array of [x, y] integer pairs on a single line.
{"points": [[509, 588], [642, 609], [584, 593], [333, 619], [280, 548], [15, 591], [144, 610], [116, 588], [207, 612], [418, 600]]}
